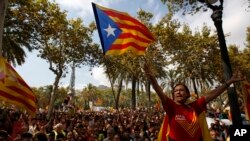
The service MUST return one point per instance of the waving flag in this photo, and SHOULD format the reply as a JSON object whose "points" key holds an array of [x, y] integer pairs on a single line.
{"points": [[246, 98], [164, 130], [119, 32], [14, 90]]}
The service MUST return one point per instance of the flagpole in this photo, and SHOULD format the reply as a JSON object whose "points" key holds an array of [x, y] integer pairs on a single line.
{"points": [[232, 95], [3, 8]]}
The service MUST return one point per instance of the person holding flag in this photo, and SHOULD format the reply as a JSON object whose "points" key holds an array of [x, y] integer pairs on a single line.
{"points": [[185, 121]]}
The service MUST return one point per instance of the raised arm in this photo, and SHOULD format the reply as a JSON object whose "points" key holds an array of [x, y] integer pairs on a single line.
{"points": [[219, 90], [155, 84]]}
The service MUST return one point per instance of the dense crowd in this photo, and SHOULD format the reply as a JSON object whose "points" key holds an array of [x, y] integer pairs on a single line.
{"points": [[107, 125]]}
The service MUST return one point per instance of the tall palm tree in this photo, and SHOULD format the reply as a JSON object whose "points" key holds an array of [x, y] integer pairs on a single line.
{"points": [[19, 30]]}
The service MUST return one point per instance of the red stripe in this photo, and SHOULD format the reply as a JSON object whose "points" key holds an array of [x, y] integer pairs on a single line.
{"points": [[123, 46], [137, 28], [123, 17], [20, 80], [13, 98], [165, 129], [22, 93], [129, 35], [131, 19]]}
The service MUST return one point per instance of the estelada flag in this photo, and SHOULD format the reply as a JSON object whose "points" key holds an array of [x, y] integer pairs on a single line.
{"points": [[246, 98], [119, 32], [14, 90]]}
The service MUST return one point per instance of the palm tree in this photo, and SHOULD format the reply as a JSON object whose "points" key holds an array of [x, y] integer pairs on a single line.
{"points": [[19, 30]]}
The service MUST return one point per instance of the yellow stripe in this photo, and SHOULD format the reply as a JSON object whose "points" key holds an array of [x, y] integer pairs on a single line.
{"points": [[123, 21], [18, 104], [126, 30], [15, 94], [135, 32], [128, 40], [119, 52], [204, 128]]}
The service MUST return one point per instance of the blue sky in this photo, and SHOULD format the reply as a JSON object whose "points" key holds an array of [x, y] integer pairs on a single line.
{"points": [[36, 71]]}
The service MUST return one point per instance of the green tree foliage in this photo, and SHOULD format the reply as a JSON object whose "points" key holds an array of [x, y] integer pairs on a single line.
{"points": [[63, 41], [193, 56], [19, 30], [241, 57], [43, 95], [248, 37], [188, 6]]}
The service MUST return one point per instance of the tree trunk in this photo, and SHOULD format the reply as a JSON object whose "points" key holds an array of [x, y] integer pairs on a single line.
{"points": [[195, 88], [148, 92], [53, 97], [133, 92], [137, 93], [118, 93], [3, 8]]}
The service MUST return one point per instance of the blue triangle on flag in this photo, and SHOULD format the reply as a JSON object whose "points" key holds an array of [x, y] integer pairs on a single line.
{"points": [[105, 24]]}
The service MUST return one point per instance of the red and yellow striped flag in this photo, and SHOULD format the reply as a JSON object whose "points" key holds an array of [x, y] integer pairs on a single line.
{"points": [[246, 98], [164, 130], [14, 90], [119, 32]]}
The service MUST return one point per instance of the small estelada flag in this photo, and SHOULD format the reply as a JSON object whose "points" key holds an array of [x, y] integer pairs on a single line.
{"points": [[14, 90], [119, 32]]}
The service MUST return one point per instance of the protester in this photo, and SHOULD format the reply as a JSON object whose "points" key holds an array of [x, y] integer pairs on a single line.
{"points": [[126, 124], [184, 118]]}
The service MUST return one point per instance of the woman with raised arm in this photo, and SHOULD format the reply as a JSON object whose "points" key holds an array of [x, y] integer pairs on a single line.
{"points": [[182, 116]]}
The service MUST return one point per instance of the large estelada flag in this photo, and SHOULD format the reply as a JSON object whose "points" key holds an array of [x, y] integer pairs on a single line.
{"points": [[14, 90], [246, 98], [119, 32]]}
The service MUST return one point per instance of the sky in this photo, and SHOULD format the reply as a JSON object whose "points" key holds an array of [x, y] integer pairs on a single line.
{"points": [[36, 71]]}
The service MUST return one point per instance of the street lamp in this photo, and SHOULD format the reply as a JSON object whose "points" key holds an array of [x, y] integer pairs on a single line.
{"points": [[217, 19]]}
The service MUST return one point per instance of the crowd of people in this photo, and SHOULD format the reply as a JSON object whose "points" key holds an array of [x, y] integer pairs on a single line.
{"points": [[88, 125], [142, 124]]}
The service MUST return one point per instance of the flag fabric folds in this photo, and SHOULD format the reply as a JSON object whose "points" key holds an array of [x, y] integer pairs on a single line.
{"points": [[165, 128], [14, 90], [119, 32], [246, 98]]}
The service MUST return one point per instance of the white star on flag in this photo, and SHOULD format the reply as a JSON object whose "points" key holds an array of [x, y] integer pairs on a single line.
{"points": [[110, 31]]}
